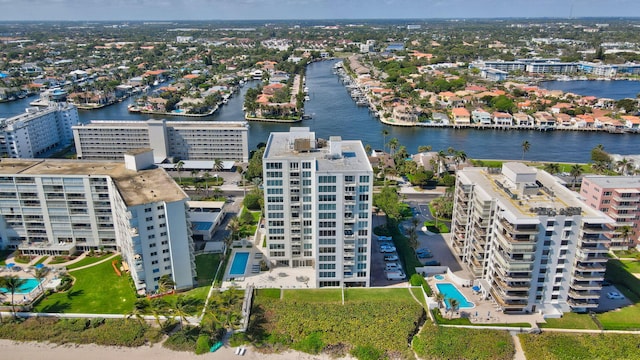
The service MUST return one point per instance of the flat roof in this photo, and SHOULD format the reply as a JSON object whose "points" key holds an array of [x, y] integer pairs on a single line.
{"points": [[552, 195], [617, 182], [136, 187], [351, 156]]}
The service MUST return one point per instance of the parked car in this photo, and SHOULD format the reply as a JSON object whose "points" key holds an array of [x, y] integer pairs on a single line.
{"points": [[425, 255], [432, 263], [392, 257], [387, 249], [396, 275], [392, 266], [614, 295], [423, 251]]}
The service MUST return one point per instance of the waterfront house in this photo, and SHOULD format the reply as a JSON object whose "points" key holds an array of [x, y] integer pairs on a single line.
{"points": [[563, 119], [557, 108], [405, 114], [479, 116], [585, 121], [461, 116], [631, 122], [603, 121], [543, 119], [501, 118], [522, 119]]}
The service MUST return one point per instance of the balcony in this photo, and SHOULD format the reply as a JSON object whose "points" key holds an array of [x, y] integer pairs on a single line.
{"points": [[522, 266], [349, 244], [625, 207], [594, 229], [584, 294], [591, 267], [513, 286], [583, 303], [507, 276], [586, 285], [580, 276], [518, 229], [619, 198], [348, 262], [508, 304]]}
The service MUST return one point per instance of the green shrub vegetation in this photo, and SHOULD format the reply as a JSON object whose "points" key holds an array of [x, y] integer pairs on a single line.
{"points": [[367, 353], [184, 339], [97, 289], [383, 321], [571, 346], [436, 342], [441, 228], [203, 344], [110, 332]]}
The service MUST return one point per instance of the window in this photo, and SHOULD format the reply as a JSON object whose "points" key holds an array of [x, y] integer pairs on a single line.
{"points": [[306, 165], [152, 245], [154, 262], [149, 218], [155, 271], [364, 178], [147, 210], [155, 253], [152, 236], [150, 227], [326, 179], [274, 165], [160, 207], [327, 274]]}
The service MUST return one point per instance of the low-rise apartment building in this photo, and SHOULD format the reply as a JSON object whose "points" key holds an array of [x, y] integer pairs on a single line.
{"points": [[530, 243]]}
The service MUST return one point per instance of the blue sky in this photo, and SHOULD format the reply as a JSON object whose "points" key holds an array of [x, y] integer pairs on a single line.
{"points": [[307, 9]]}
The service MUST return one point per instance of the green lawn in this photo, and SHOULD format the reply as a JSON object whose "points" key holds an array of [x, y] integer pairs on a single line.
{"points": [[42, 259], [197, 297], [632, 266], [96, 290], [571, 346], [628, 317], [631, 253], [206, 267], [436, 342], [571, 321], [87, 261], [440, 229]]}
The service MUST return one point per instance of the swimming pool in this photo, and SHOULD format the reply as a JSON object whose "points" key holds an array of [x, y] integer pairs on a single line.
{"points": [[439, 277], [239, 264], [450, 291], [27, 287], [202, 225]]}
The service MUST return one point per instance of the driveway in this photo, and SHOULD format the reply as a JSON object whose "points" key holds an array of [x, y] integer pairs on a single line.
{"points": [[606, 304]]}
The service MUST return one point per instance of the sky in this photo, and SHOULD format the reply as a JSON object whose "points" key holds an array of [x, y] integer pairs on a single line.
{"points": [[21, 10]]}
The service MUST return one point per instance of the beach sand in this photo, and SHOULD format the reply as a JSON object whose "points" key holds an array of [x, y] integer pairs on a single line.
{"points": [[16, 350]]}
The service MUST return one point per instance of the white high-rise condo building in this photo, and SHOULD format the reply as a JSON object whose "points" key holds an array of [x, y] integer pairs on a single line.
{"points": [[38, 131], [318, 202], [59, 207], [531, 243], [185, 140]]}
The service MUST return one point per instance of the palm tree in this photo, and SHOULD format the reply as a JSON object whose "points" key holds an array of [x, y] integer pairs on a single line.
{"points": [[460, 157], [206, 177], [424, 148], [526, 145], [218, 165], [139, 309], [182, 308], [12, 283], [625, 166], [158, 307], [576, 170], [234, 227], [552, 168], [393, 145], [385, 132], [41, 274], [625, 232], [225, 308], [165, 284], [453, 306], [178, 167], [451, 150], [439, 297], [441, 158]]}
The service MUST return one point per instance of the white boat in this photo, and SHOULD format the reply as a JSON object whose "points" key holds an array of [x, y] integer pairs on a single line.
{"points": [[306, 90], [155, 83], [307, 98]]}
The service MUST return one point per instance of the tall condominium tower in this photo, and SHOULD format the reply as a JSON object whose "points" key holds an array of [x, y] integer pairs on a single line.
{"points": [[58, 207], [531, 243], [318, 200]]}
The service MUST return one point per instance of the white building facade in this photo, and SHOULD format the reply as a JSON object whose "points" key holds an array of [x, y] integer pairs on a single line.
{"points": [[58, 207], [185, 140], [530, 243], [38, 131], [318, 203]]}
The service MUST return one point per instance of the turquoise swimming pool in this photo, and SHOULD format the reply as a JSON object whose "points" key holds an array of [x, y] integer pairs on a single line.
{"points": [[27, 287], [450, 291], [239, 264]]}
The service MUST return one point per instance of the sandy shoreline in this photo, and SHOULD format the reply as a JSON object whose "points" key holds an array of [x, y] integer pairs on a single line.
{"points": [[14, 350]]}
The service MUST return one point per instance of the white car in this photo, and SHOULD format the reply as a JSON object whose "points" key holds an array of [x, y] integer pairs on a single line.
{"points": [[391, 266], [391, 258], [387, 249], [396, 275], [614, 295]]}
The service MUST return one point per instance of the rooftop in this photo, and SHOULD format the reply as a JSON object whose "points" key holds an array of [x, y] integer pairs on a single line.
{"points": [[334, 155], [615, 181], [546, 195], [136, 188]]}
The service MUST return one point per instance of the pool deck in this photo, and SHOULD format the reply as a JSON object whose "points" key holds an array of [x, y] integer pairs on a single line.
{"points": [[485, 311]]}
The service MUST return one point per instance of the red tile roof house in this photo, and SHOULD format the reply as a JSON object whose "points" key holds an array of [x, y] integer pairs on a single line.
{"points": [[522, 119], [585, 121], [631, 122], [461, 116], [564, 120], [501, 118]]}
